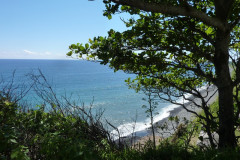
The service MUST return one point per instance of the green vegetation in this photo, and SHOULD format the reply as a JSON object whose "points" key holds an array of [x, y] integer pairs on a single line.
{"points": [[37, 134], [175, 47], [40, 135]]}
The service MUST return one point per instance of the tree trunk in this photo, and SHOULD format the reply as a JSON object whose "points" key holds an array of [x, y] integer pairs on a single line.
{"points": [[225, 90], [226, 118]]}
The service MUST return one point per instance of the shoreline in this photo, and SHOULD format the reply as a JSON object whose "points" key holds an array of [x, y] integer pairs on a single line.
{"points": [[144, 135]]}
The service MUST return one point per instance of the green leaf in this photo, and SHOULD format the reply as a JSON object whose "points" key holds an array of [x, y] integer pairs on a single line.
{"points": [[13, 140], [209, 30], [109, 16], [90, 40], [69, 53], [86, 45], [81, 48]]}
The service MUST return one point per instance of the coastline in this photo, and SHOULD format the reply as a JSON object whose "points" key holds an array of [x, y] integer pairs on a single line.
{"points": [[144, 135]]}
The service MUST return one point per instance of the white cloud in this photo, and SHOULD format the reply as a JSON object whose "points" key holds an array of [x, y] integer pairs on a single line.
{"points": [[29, 52], [48, 53]]}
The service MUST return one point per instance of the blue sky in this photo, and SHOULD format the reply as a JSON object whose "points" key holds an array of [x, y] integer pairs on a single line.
{"points": [[43, 29]]}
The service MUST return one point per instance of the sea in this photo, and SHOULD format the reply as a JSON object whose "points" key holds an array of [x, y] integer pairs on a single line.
{"points": [[88, 83]]}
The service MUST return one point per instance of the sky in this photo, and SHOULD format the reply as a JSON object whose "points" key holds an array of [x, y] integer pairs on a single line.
{"points": [[44, 29]]}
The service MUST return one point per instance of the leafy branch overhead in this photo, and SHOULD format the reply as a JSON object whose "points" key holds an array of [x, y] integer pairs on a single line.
{"points": [[151, 47], [175, 47]]}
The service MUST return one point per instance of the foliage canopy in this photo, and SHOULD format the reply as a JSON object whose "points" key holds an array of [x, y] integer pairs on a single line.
{"points": [[176, 47]]}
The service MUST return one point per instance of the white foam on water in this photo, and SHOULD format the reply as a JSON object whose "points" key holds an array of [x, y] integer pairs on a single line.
{"points": [[128, 128]]}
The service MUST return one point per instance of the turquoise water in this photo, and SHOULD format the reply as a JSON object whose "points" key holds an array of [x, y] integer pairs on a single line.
{"points": [[86, 81]]}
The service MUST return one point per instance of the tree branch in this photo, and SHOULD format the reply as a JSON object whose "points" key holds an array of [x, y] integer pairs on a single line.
{"points": [[174, 10]]}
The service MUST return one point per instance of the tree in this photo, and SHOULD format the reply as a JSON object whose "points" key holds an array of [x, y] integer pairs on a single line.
{"points": [[150, 110], [176, 46]]}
